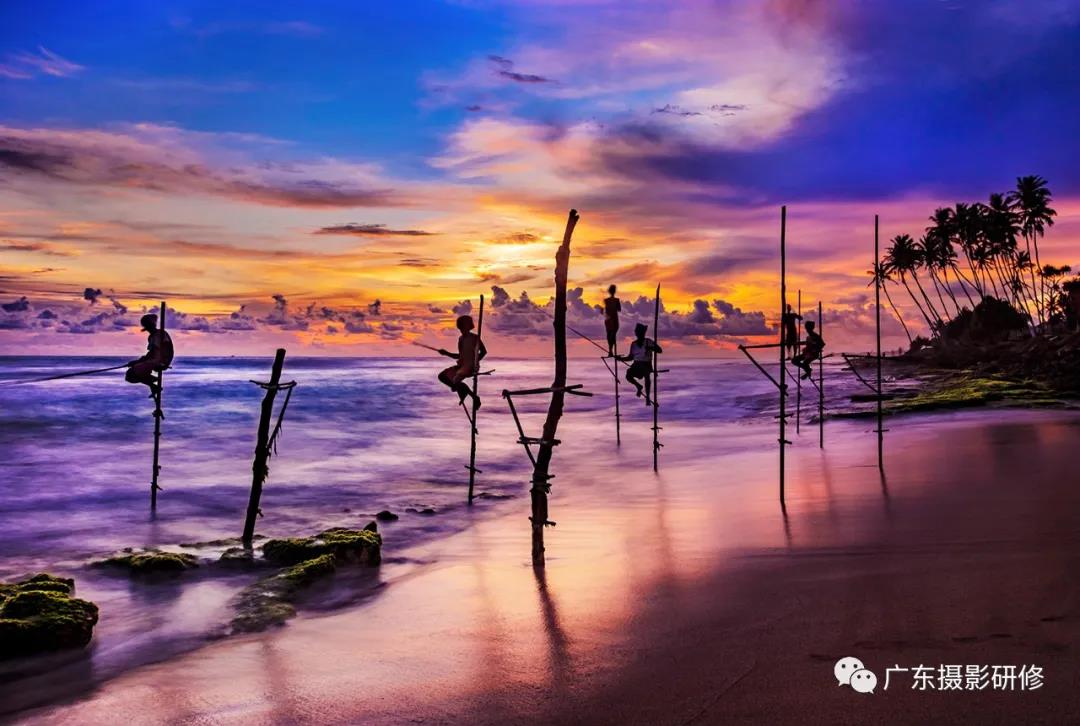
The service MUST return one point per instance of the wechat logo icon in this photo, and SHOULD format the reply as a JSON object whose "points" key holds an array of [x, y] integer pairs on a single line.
{"points": [[851, 672]]}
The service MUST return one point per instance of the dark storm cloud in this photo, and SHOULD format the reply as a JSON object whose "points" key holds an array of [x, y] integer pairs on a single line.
{"points": [[371, 230]]}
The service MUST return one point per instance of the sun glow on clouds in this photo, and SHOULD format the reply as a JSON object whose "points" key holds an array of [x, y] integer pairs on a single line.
{"points": [[676, 128]]}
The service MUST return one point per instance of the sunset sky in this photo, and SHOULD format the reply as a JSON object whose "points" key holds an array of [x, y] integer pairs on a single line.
{"points": [[338, 177]]}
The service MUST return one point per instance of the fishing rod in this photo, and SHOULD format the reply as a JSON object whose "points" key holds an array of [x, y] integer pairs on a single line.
{"points": [[65, 375], [437, 350], [578, 333]]}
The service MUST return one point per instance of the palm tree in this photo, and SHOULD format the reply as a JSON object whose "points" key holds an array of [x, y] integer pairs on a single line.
{"points": [[928, 248], [881, 275], [903, 258], [1031, 199], [968, 228], [944, 228]]}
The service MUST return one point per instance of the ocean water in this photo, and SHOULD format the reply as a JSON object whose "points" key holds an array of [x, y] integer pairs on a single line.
{"points": [[359, 436]]}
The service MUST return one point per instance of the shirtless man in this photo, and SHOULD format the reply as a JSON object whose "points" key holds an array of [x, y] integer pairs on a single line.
{"points": [[159, 356], [471, 351], [640, 359]]}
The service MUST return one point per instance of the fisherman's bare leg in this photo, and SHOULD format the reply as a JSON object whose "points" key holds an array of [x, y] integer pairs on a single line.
{"points": [[143, 372]]}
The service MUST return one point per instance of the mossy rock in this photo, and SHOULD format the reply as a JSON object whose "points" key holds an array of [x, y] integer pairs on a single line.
{"points": [[142, 564], [268, 602], [39, 615], [965, 391], [238, 557], [348, 545]]}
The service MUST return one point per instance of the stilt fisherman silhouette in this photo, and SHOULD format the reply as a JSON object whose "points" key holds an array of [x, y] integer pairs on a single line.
{"points": [[468, 358], [612, 308], [640, 359], [159, 356]]}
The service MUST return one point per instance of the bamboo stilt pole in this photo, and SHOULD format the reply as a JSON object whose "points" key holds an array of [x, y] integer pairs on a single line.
{"points": [[541, 477], [476, 393], [877, 322], [615, 376], [158, 415], [798, 381], [821, 383], [783, 311], [259, 467], [656, 386]]}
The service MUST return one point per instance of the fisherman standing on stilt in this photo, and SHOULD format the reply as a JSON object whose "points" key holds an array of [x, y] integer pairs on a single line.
{"points": [[640, 359], [159, 356], [612, 308], [468, 358], [789, 323]]}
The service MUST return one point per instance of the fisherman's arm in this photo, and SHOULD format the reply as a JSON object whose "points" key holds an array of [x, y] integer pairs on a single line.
{"points": [[483, 351], [448, 354]]}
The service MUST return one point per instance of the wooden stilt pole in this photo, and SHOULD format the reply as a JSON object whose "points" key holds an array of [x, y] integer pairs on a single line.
{"points": [[259, 467], [656, 386], [618, 416], [476, 392], [783, 372], [821, 383], [541, 484], [877, 316], [798, 381], [158, 415]]}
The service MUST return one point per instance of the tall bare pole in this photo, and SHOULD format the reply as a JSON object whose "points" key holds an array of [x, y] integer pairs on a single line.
{"points": [[821, 383], [158, 415], [541, 478], [656, 385], [877, 316], [798, 379], [615, 376], [476, 391], [259, 467], [783, 371]]}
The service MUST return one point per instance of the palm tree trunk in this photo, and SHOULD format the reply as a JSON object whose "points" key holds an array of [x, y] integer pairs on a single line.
{"points": [[915, 300], [948, 289], [1031, 273], [937, 289], [929, 305], [964, 282], [896, 312]]}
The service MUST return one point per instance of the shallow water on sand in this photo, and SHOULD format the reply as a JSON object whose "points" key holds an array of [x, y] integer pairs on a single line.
{"points": [[360, 435]]}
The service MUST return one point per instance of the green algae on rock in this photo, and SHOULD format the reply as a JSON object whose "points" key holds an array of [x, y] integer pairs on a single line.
{"points": [[39, 615], [348, 545], [151, 563], [268, 602], [966, 390]]}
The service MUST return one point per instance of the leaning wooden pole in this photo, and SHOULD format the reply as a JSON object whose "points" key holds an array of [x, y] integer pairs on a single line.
{"points": [[877, 316], [259, 467], [541, 485], [783, 371], [821, 383], [656, 385], [476, 391], [158, 415]]}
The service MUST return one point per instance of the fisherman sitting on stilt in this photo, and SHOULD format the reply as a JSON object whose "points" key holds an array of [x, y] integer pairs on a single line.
{"points": [[811, 350], [468, 359], [612, 308], [159, 356], [640, 360]]}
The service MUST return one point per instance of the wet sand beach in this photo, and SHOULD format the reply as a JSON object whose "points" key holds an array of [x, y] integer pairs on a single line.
{"points": [[688, 598]]}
